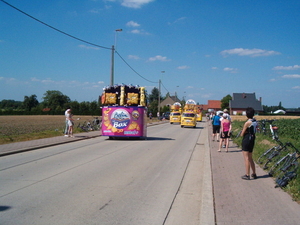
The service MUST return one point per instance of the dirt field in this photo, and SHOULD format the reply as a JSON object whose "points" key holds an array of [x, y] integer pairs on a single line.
{"points": [[242, 118], [35, 123]]}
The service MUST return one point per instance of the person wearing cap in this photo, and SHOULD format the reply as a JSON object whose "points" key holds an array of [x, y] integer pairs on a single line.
{"points": [[226, 113], [67, 125], [225, 132]]}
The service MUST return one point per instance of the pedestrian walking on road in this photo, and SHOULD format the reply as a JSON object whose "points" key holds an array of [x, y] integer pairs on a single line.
{"points": [[248, 134]]}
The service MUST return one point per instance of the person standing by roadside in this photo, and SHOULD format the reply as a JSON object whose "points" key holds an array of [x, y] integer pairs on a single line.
{"points": [[70, 123], [216, 126], [67, 125], [225, 132], [248, 134]]}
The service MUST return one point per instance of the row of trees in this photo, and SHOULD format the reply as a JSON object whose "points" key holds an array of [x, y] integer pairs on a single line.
{"points": [[55, 103]]}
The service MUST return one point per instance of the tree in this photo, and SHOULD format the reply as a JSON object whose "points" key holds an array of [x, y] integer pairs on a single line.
{"points": [[225, 101], [154, 95], [55, 100], [30, 102]]}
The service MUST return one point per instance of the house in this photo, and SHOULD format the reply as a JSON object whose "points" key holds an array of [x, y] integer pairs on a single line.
{"points": [[169, 100], [241, 101], [212, 106]]}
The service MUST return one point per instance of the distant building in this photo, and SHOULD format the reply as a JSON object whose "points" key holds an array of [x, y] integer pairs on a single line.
{"points": [[241, 101], [170, 100], [212, 106]]}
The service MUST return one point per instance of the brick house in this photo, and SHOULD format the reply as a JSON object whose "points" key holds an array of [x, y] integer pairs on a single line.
{"points": [[212, 106]]}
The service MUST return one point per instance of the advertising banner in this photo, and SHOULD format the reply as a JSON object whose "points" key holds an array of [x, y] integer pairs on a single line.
{"points": [[121, 121]]}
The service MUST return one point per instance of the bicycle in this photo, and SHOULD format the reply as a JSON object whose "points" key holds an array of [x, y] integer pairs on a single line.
{"points": [[286, 162], [262, 128], [265, 155], [96, 123], [286, 176], [275, 154], [86, 126]]}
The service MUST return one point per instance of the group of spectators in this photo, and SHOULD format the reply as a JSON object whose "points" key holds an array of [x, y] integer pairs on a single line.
{"points": [[221, 122]]}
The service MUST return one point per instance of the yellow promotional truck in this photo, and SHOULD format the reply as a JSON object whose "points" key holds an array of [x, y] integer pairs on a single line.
{"points": [[199, 114], [175, 115], [189, 115]]}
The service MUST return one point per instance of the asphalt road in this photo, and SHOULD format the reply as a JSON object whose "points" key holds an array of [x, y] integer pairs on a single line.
{"points": [[100, 181]]}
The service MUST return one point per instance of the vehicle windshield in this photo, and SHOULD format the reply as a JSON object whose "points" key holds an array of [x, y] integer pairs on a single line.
{"points": [[188, 115], [175, 114]]}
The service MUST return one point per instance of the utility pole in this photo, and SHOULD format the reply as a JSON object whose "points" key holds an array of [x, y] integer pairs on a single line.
{"points": [[112, 66], [158, 97]]}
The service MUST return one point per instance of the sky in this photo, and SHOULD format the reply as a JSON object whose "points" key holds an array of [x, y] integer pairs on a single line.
{"points": [[199, 49]]}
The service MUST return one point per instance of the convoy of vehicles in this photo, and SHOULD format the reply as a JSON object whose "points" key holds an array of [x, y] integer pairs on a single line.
{"points": [[124, 112], [175, 116], [189, 115]]}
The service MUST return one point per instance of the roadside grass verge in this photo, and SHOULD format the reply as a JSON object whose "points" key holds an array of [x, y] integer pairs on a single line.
{"points": [[264, 142]]}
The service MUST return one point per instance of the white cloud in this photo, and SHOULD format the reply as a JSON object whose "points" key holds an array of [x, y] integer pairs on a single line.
{"points": [[296, 87], [137, 31], [295, 67], [249, 52], [133, 57], [214, 68], [159, 58], [190, 87], [291, 76], [135, 3], [178, 20], [183, 67], [232, 70], [132, 24]]}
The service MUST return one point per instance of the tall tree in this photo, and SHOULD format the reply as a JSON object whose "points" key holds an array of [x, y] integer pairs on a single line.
{"points": [[30, 102], [154, 95], [225, 101], [55, 100]]}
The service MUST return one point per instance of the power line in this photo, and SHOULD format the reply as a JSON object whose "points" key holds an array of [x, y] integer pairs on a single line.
{"points": [[87, 42], [69, 35], [164, 87], [133, 69]]}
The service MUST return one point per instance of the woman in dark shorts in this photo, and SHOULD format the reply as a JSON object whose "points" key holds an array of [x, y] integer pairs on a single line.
{"points": [[248, 134]]}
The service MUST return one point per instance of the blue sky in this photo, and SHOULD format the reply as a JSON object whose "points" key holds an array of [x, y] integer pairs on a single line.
{"points": [[208, 49]]}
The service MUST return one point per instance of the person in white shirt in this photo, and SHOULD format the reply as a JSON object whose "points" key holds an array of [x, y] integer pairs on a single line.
{"points": [[67, 125]]}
